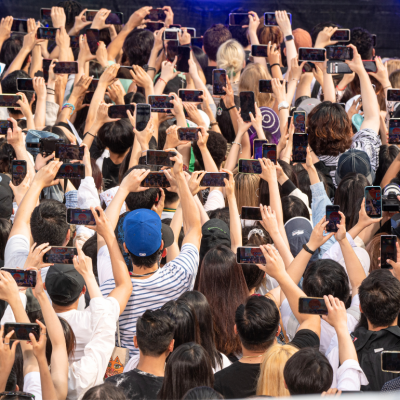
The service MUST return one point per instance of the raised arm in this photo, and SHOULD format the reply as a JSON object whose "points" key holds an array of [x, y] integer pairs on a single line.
{"points": [[5, 29], [284, 24]]}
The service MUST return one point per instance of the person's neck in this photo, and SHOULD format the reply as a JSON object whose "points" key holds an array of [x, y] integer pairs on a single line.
{"points": [[251, 357], [173, 205], [63, 309], [142, 271], [212, 63], [117, 158], [152, 365], [379, 328]]}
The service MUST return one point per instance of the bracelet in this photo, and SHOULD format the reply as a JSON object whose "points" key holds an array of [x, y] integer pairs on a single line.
{"points": [[340, 90], [307, 249], [88, 133], [68, 105], [273, 65], [240, 145], [230, 108], [213, 123], [161, 79]]}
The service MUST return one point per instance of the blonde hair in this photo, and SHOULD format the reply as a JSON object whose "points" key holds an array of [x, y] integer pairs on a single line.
{"points": [[246, 190], [392, 65], [394, 79], [231, 57], [249, 82], [271, 381]]}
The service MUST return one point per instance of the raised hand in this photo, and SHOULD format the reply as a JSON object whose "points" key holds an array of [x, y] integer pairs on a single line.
{"points": [[317, 238], [35, 257]]}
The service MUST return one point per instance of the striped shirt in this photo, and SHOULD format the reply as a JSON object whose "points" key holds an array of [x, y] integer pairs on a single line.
{"points": [[168, 283]]}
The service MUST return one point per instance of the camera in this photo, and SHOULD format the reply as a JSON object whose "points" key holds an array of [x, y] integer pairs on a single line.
{"points": [[390, 201]]}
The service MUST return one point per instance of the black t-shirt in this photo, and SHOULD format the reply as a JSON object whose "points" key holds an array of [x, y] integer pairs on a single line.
{"points": [[137, 384], [239, 380], [110, 173]]}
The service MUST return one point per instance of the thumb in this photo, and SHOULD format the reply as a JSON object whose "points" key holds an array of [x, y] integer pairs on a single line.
{"points": [[391, 262]]}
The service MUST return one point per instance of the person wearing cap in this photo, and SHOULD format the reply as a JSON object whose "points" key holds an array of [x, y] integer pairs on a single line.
{"points": [[146, 241]]}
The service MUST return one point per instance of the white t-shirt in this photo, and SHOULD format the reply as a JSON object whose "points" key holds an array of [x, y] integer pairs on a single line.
{"points": [[32, 384]]}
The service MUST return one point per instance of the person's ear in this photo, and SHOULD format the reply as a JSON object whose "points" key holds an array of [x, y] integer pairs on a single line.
{"points": [[126, 250], [16, 388], [361, 311], [83, 290], [135, 343], [171, 346], [162, 245], [235, 329], [67, 237], [278, 331], [44, 286], [164, 253]]}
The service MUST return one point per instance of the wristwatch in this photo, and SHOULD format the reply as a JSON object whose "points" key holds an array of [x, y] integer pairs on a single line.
{"points": [[289, 37], [282, 105]]}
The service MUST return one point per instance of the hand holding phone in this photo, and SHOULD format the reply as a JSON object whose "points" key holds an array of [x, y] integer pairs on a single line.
{"points": [[219, 82], [247, 105], [312, 305], [388, 250], [373, 201]]}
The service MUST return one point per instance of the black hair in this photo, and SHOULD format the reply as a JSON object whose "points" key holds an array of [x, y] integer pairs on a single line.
{"points": [[7, 154], [105, 391], [292, 207], [147, 261], [174, 85], [217, 146], [9, 85], [202, 393], [118, 136], [362, 39], [253, 275], [136, 98], [387, 154], [10, 49], [189, 366], [257, 323], [320, 27], [11, 383], [5, 229], [201, 57], [137, 46], [325, 277], [72, 9], [307, 372], [225, 122], [89, 248], [220, 213], [49, 223], [170, 197], [162, 135], [57, 131]]}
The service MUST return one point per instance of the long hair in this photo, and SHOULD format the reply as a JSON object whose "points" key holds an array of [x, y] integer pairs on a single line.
{"points": [[231, 57], [246, 190]]}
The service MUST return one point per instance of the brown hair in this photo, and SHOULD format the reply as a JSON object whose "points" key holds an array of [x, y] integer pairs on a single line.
{"points": [[246, 190], [213, 38], [374, 251], [392, 65], [394, 79], [267, 34]]}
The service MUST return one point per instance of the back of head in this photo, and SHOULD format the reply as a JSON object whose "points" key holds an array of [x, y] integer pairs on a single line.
{"points": [[380, 298], [10, 50], [252, 275], [231, 57], [325, 277], [217, 146], [393, 65], [72, 9], [220, 213], [308, 372], [202, 393], [213, 38], [320, 27], [257, 323], [117, 136], [137, 46], [302, 38], [267, 34], [238, 33], [394, 78], [387, 154], [9, 84], [200, 57], [373, 249], [105, 391], [362, 39], [293, 207], [246, 190]]}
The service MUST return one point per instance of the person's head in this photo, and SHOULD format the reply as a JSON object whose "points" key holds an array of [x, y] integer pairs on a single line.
{"points": [[380, 298], [72, 9], [271, 381], [387, 154], [392, 65], [254, 236], [90, 250], [217, 145], [49, 223], [188, 366], [325, 277], [202, 393], [246, 190], [308, 372], [137, 46], [136, 98], [117, 136], [200, 56], [231, 57], [362, 39], [154, 333], [253, 276], [213, 38], [320, 27], [301, 38], [222, 283], [170, 198], [105, 391], [10, 49], [292, 207], [249, 82], [268, 34], [329, 129], [9, 85], [220, 213], [7, 154], [304, 181], [394, 78]]}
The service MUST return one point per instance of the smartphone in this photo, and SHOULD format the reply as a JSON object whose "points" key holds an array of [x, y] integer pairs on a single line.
{"points": [[300, 143], [47, 34], [270, 19], [159, 157], [269, 151], [393, 95], [161, 103], [252, 213], [307, 67], [66, 67], [339, 53], [214, 179], [120, 111], [25, 85], [247, 105], [24, 278], [80, 216], [249, 166], [299, 121], [172, 49], [369, 65], [333, 216], [311, 54], [156, 180], [388, 250], [88, 98], [191, 32], [259, 50], [93, 85], [265, 85], [154, 26], [142, 116], [219, 82], [337, 67], [115, 18], [18, 171], [69, 151], [21, 330], [45, 14], [190, 96], [71, 171], [390, 361], [373, 40], [238, 19], [171, 34], [197, 41], [394, 130], [257, 147], [4, 125], [19, 25], [93, 38], [48, 145], [182, 64], [124, 72], [373, 201], [176, 26], [9, 100], [250, 255], [60, 255], [312, 305], [190, 134], [156, 14], [341, 35]]}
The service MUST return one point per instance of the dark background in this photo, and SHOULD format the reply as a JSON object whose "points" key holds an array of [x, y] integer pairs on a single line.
{"points": [[381, 17]]}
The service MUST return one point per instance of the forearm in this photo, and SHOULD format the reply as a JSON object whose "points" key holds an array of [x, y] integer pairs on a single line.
{"points": [[60, 92], [159, 87], [313, 174], [235, 152], [64, 54], [304, 87], [276, 72], [115, 46], [92, 286], [22, 154], [51, 95], [298, 266], [347, 351], [209, 163], [46, 382], [392, 172], [203, 214], [98, 97], [152, 62], [328, 87], [283, 249], [291, 51], [190, 212], [36, 63], [88, 139], [276, 205], [18, 61], [291, 90], [199, 85], [370, 103], [40, 114], [235, 224]]}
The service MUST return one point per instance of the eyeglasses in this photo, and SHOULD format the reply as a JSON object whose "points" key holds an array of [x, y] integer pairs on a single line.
{"points": [[22, 395]]}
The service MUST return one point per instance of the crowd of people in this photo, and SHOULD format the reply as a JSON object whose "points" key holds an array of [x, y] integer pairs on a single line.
{"points": [[172, 292]]}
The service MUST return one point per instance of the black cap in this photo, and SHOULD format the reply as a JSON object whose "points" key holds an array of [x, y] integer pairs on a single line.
{"points": [[215, 232], [6, 197], [64, 283]]}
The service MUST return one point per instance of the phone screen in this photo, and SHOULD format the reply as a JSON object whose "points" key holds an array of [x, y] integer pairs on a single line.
{"points": [[160, 103], [71, 171], [249, 166], [69, 151], [60, 255], [120, 111], [258, 148], [19, 25], [299, 121], [21, 331], [90, 14], [310, 54], [4, 125], [66, 67], [25, 85], [269, 152], [373, 201], [93, 38], [259, 50], [9, 100], [250, 255], [339, 53], [252, 213], [388, 250], [265, 85], [214, 179], [394, 130], [22, 277], [143, 112], [393, 95], [155, 180], [312, 305], [333, 218], [247, 105], [270, 19], [191, 96], [156, 14], [239, 19], [390, 361], [219, 82], [47, 33], [188, 134], [370, 66], [48, 145], [341, 35], [93, 85], [300, 143], [18, 171], [80, 216], [182, 64], [159, 157], [124, 72], [154, 26], [197, 41], [170, 34]]}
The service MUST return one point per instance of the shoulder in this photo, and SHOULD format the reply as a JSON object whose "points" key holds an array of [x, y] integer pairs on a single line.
{"points": [[305, 338], [367, 135], [188, 256]]}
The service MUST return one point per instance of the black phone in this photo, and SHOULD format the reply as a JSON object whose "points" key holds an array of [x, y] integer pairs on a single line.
{"points": [[197, 41], [259, 50], [219, 82], [300, 143], [4, 125], [93, 38], [18, 171], [88, 98], [47, 34], [214, 179], [333, 218], [393, 95], [160, 103], [182, 64], [159, 157], [48, 145], [190, 134], [270, 19], [155, 180], [238, 19], [247, 105], [258, 148], [90, 14], [46, 66], [311, 54], [120, 111], [19, 25], [250, 255], [373, 40], [71, 171], [269, 152], [115, 18], [60, 255], [369, 65], [66, 67], [45, 14], [265, 85], [22, 330], [252, 213], [390, 361], [191, 32], [25, 85], [9, 100], [24, 278], [142, 116], [388, 250], [339, 53], [312, 305], [93, 85], [74, 42], [373, 201], [156, 14], [248, 166], [69, 151], [394, 130], [80, 216], [341, 35], [190, 96], [124, 72], [299, 121], [154, 26], [337, 67]]}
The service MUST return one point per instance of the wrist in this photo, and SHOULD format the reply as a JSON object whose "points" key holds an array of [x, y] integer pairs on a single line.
{"points": [[287, 32], [312, 246]]}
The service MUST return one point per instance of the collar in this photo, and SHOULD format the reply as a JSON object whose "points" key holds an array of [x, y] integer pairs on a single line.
{"points": [[362, 336], [169, 209]]}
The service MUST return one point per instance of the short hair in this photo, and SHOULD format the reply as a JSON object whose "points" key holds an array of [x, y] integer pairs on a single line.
{"points": [[154, 332], [308, 372], [380, 297], [362, 39], [220, 213], [170, 197], [89, 248], [5, 229], [293, 207], [319, 28], [145, 262], [117, 136], [10, 49], [213, 38], [49, 223], [257, 323], [72, 9], [231, 57], [216, 145], [9, 85], [267, 34], [105, 391], [136, 98], [137, 46]]}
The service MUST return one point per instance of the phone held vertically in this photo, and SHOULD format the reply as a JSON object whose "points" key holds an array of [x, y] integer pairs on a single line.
{"points": [[300, 143], [247, 105], [394, 131], [19, 169], [333, 218], [219, 82], [373, 201], [269, 152], [388, 250], [258, 148]]}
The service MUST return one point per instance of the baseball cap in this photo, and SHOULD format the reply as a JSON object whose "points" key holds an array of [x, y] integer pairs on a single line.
{"points": [[391, 187], [354, 161], [307, 105], [6, 197], [215, 232], [64, 283], [143, 232]]}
